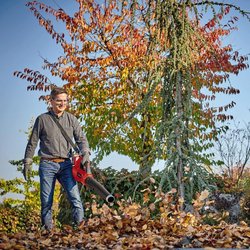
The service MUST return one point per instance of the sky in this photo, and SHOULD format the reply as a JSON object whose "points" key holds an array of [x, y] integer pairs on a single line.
{"points": [[23, 43]]}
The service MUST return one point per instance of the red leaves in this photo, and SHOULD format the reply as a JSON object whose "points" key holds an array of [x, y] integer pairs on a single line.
{"points": [[212, 23], [47, 24], [214, 65], [40, 82]]}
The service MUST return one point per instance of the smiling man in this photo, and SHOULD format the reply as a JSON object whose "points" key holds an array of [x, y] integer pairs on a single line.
{"points": [[55, 152]]}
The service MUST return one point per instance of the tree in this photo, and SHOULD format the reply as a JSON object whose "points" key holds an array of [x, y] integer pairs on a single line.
{"points": [[136, 72], [234, 151], [108, 60]]}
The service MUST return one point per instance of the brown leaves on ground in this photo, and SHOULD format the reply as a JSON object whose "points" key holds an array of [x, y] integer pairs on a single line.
{"points": [[132, 226]]}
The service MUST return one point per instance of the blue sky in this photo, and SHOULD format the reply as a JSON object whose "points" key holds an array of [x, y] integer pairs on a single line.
{"points": [[23, 42]]}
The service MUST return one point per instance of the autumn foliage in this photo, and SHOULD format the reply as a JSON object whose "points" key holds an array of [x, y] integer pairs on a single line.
{"points": [[117, 59]]}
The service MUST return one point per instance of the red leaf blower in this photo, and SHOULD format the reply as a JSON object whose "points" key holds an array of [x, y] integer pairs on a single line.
{"points": [[84, 175]]}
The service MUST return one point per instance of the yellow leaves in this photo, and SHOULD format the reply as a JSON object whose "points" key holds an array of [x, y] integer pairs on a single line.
{"points": [[88, 46], [111, 235], [189, 220], [119, 224], [146, 193], [124, 74], [201, 199], [138, 217], [132, 210], [94, 209], [204, 195]]}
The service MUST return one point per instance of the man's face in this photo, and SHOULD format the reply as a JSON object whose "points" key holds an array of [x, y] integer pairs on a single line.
{"points": [[59, 103]]}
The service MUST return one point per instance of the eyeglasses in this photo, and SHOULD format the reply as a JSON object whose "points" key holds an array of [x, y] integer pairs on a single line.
{"points": [[61, 101]]}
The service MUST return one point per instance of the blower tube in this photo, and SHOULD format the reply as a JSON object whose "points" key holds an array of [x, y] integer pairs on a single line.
{"points": [[99, 189]]}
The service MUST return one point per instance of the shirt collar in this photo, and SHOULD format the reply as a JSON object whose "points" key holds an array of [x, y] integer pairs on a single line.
{"points": [[52, 113]]}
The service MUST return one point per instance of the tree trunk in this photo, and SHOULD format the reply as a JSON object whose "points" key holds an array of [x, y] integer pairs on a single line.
{"points": [[178, 136]]}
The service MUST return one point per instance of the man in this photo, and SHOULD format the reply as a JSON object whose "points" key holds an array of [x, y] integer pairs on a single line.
{"points": [[55, 153]]}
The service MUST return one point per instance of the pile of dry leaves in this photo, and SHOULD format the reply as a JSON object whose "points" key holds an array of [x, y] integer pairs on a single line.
{"points": [[132, 226]]}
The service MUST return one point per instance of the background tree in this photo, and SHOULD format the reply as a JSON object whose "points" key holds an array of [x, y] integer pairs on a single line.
{"points": [[234, 152], [190, 46]]}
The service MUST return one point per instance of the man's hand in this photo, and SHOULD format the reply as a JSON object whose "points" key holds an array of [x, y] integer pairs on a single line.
{"points": [[27, 168], [85, 158], [26, 171]]}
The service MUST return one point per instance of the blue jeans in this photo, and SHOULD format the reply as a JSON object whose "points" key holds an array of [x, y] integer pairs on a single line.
{"points": [[49, 172]]}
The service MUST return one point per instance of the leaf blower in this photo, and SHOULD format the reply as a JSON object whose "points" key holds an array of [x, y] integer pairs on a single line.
{"points": [[84, 175]]}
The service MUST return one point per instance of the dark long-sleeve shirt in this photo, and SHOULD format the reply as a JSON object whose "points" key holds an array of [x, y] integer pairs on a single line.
{"points": [[52, 142]]}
